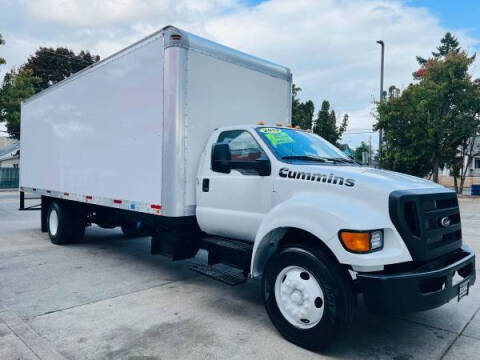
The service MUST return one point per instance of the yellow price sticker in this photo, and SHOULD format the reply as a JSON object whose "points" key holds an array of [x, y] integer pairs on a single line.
{"points": [[279, 138]]}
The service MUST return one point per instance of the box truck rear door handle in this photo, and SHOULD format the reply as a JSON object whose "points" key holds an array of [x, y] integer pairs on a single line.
{"points": [[205, 185]]}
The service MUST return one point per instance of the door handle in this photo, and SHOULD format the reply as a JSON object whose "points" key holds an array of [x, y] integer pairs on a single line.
{"points": [[205, 185]]}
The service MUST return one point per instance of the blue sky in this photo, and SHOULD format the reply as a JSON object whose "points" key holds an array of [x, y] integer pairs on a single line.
{"points": [[330, 45], [463, 14]]}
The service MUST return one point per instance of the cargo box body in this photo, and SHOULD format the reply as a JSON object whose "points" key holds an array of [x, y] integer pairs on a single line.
{"points": [[128, 131]]}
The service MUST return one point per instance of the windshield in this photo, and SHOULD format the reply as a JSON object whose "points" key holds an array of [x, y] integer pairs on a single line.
{"points": [[292, 144]]}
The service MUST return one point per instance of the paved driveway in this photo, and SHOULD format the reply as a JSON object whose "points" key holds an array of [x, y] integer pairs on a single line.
{"points": [[107, 298]]}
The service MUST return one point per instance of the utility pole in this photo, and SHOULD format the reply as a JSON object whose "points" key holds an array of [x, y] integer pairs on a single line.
{"points": [[370, 151], [380, 131]]}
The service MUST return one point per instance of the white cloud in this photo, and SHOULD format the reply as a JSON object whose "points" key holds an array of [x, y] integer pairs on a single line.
{"points": [[330, 45], [109, 12]]}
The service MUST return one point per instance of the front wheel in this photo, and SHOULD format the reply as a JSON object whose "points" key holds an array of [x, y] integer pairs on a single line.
{"points": [[308, 296]]}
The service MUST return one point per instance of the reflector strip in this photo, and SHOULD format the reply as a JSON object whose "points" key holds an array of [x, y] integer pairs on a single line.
{"points": [[153, 209]]}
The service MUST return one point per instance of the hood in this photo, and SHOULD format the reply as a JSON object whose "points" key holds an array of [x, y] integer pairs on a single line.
{"points": [[398, 180], [374, 178]]}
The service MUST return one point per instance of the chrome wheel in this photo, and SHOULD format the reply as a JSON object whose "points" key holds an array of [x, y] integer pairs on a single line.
{"points": [[299, 297]]}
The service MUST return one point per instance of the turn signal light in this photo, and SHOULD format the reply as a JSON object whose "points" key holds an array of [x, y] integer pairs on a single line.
{"points": [[361, 241], [358, 242]]}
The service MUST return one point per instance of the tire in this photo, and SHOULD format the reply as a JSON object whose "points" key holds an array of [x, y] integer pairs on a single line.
{"points": [[313, 317], [65, 223], [132, 229]]}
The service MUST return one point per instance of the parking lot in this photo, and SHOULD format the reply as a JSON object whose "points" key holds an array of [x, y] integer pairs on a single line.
{"points": [[107, 298]]}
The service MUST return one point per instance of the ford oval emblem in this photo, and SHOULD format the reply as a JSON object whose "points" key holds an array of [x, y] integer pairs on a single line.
{"points": [[445, 221]]}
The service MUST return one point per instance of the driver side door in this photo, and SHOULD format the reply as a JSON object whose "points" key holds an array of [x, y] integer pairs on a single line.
{"points": [[234, 204]]}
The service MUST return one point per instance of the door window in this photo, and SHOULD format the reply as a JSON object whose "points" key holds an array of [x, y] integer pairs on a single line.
{"points": [[242, 145]]}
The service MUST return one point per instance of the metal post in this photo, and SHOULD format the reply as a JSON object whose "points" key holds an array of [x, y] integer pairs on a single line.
{"points": [[370, 151], [380, 131], [22, 200]]}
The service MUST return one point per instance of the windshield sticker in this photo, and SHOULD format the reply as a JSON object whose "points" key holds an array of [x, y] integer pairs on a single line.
{"points": [[279, 138], [324, 178], [270, 130]]}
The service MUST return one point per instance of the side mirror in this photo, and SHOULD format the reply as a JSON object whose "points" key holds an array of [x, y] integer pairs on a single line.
{"points": [[262, 165], [221, 157], [222, 161]]}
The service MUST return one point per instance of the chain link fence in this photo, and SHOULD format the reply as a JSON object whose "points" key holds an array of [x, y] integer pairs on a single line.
{"points": [[9, 178]]}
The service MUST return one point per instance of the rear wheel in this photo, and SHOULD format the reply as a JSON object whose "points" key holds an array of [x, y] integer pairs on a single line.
{"points": [[65, 223], [308, 296]]}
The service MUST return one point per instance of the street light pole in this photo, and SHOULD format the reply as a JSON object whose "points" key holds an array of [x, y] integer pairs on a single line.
{"points": [[380, 132]]}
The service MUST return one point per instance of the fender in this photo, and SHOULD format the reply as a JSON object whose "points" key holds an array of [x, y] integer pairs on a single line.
{"points": [[323, 215]]}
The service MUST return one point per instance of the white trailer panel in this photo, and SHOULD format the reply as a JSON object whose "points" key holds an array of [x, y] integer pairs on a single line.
{"points": [[98, 134], [128, 132], [221, 93]]}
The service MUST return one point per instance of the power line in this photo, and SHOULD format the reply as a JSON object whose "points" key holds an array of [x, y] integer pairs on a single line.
{"points": [[361, 129], [359, 132]]}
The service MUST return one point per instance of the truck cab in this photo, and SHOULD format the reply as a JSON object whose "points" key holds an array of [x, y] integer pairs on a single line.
{"points": [[324, 228]]}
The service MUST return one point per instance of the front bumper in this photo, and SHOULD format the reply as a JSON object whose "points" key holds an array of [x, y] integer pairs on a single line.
{"points": [[426, 287]]}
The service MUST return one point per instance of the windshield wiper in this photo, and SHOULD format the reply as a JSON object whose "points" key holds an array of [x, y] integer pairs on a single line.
{"points": [[304, 157], [319, 158], [342, 160]]}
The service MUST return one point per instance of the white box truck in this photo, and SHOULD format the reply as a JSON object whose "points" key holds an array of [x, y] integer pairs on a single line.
{"points": [[188, 141]]}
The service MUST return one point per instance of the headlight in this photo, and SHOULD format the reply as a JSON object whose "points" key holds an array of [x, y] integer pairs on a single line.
{"points": [[361, 241]]}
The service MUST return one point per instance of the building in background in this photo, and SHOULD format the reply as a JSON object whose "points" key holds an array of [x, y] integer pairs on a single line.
{"points": [[9, 161], [473, 170], [346, 149], [5, 141], [9, 153]]}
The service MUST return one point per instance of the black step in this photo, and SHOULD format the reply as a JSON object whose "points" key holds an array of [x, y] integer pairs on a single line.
{"points": [[228, 251], [228, 276]]}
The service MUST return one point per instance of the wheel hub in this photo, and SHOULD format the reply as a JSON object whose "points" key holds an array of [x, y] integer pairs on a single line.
{"points": [[299, 297], [53, 222]]}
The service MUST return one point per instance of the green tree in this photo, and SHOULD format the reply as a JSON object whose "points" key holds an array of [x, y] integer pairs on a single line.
{"points": [[302, 112], [357, 154], [2, 42], [54, 65], [448, 45], [425, 125], [406, 148], [343, 125], [17, 86], [326, 124]]}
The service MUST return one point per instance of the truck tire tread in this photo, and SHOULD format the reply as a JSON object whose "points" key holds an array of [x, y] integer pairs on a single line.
{"points": [[340, 297]]}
